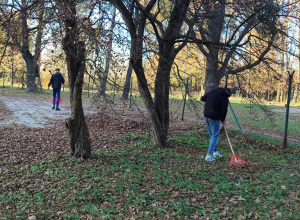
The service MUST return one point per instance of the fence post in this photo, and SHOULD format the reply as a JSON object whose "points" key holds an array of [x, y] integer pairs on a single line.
{"points": [[130, 96], [89, 86], [184, 98], [287, 109]]}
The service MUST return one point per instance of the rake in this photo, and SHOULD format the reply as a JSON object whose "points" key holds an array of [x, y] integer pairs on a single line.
{"points": [[235, 160], [51, 101]]}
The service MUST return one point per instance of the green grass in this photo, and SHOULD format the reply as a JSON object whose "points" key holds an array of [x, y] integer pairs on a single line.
{"points": [[255, 116], [144, 182]]}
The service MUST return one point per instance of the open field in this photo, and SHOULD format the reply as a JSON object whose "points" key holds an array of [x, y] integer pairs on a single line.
{"points": [[127, 177]]}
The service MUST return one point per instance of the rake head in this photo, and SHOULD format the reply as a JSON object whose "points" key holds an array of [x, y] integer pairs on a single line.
{"points": [[56, 100], [235, 160]]}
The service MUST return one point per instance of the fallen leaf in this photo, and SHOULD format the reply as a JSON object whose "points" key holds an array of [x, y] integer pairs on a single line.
{"points": [[175, 194], [241, 217]]}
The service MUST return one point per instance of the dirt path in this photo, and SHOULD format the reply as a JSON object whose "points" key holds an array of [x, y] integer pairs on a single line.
{"points": [[32, 113]]}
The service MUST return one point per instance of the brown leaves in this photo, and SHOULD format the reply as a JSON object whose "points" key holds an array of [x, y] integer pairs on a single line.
{"points": [[236, 199]]}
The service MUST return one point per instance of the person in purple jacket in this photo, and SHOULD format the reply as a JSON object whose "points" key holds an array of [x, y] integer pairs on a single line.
{"points": [[215, 111], [56, 80]]}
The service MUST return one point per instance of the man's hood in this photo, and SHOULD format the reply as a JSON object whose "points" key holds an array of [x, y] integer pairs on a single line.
{"points": [[225, 92]]}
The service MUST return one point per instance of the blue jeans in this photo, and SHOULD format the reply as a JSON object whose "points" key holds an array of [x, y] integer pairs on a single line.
{"points": [[56, 93], [213, 127]]}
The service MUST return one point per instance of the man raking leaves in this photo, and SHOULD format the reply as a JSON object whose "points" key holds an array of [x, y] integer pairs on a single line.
{"points": [[215, 111]]}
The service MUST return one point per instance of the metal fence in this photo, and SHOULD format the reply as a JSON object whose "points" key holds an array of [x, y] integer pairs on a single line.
{"points": [[247, 115]]}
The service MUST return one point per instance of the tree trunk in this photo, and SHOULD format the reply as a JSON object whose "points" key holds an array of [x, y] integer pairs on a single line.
{"points": [[103, 81], [12, 72], [158, 110], [296, 91], [31, 71], [31, 60], [278, 93], [75, 58], [162, 91], [212, 77], [26, 54], [127, 83], [215, 24]]}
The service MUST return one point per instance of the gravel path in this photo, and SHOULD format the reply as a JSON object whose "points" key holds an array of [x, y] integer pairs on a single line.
{"points": [[30, 112]]}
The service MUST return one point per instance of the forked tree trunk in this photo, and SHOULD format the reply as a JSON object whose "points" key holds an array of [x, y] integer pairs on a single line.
{"points": [[158, 110], [75, 57]]}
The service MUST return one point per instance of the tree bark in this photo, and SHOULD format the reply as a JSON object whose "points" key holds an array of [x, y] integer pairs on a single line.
{"points": [[214, 23], [296, 91], [12, 71], [158, 110], [27, 56], [212, 75], [162, 90], [32, 61], [31, 70], [103, 81], [211, 30], [127, 83], [75, 58]]}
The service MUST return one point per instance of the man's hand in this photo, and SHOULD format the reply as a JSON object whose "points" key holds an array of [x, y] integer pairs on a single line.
{"points": [[48, 87]]}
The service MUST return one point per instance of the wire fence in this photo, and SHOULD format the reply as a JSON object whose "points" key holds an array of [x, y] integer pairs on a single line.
{"points": [[261, 118], [247, 114]]}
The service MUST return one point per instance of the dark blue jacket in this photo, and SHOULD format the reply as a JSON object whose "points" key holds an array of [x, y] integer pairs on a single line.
{"points": [[216, 103], [56, 80]]}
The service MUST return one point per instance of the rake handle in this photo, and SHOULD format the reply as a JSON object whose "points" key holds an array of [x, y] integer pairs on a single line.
{"points": [[228, 138]]}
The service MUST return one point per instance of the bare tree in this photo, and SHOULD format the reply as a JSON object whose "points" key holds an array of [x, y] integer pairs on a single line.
{"points": [[103, 80], [224, 32], [20, 36], [74, 49], [158, 109]]}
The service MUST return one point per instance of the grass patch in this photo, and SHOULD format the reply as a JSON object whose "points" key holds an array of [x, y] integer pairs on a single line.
{"points": [[141, 181]]}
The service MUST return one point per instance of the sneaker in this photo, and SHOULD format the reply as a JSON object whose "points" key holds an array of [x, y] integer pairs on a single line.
{"points": [[217, 154], [57, 109], [53, 107], [209, 158]]}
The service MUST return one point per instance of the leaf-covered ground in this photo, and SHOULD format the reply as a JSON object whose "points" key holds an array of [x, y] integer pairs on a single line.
{"points": [[129, 178]]}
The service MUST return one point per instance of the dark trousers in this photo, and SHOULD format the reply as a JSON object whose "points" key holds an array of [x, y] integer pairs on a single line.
{"points": [[56, 97]]}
